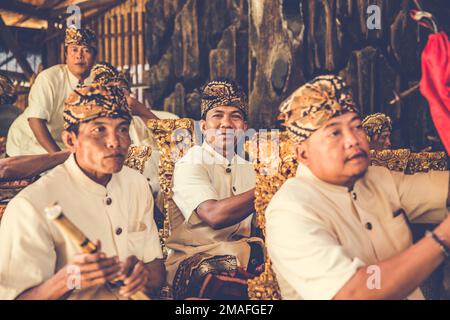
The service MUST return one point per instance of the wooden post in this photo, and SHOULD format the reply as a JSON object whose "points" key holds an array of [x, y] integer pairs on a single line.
{"points": [[130, 40], [112, 34], [125, 41], [102, 41], [120, 37]]}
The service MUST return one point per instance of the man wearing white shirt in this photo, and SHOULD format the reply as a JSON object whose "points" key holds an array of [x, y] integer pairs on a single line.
{"points": [[105, 200], [38, 129], [339, 229]]}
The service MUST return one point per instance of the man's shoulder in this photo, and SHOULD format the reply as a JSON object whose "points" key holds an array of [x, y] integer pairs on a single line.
{"points": [[43, 191], [294, 189], [379, 175], [195, 155], [58, 69], [53, 74], [131, 177], [377, 170]]}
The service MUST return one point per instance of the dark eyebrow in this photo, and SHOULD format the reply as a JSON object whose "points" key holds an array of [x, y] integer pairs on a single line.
{"points": [[333, 124], [124, 122], [98, 122], [356, 117]]}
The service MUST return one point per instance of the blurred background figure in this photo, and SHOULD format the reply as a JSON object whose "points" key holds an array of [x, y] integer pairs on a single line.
{"points": [[378, 128]]}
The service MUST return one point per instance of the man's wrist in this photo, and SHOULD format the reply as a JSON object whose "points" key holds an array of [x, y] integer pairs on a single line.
{"points": [[57, 286]]}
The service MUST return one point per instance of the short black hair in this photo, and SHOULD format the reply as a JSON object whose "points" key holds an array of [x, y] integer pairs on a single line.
{"points": [[75, 128]]}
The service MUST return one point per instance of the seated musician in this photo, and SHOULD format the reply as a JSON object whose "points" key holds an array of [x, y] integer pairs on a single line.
{"points": [[106, 74], [105, 200], [213, 249], [378, 128], [339, 229], [39, 128]]}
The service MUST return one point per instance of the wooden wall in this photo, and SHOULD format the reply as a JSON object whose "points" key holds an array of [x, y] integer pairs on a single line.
{"points": [[272, 47]]}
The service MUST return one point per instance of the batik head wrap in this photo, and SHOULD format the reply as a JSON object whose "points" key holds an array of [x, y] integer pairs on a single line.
{"points": [[105, 74], [375, 124], [313, 104], [223, 93], [80, 37], [95, 101]]}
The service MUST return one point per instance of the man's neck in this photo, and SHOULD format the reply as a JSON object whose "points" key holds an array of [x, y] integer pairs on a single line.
{"points": [[100, 178], [227, 153], [80, 77], [348, 182]]}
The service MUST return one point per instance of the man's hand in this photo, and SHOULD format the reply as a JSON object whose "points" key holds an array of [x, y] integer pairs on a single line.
{"points": [[134, 275], [139, 109], [43, 135], [96, 269]]}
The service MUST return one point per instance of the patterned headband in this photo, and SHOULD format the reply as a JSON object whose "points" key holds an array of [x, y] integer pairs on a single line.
{"points": [[223, 93], [313, 104], [95, 101]]}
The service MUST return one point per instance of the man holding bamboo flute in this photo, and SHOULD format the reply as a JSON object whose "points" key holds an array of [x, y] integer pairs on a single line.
{"points": [[108, 202]]}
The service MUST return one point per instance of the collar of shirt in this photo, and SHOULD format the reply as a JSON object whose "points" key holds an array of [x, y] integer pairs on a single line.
{"points": [[84, 181], [74, 81], [218, 158]]}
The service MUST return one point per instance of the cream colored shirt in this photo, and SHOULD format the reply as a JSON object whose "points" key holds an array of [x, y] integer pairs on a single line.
{"points": [[201, 175], [45, 101], [33, 249], [319, 234]]}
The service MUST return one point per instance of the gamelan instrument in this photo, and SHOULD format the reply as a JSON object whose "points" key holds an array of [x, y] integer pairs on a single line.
{"points": [[55, 214]]}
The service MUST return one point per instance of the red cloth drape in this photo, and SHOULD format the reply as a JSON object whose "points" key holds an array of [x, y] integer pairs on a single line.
{"points": [[435, 83]]}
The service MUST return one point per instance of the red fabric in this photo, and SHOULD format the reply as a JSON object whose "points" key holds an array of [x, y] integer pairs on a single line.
{"points": [[435, 83]]}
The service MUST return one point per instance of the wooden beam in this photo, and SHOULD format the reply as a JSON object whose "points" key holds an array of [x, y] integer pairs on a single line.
{"points": [[25, 8], [86, 19], [14, 75], [11, 44], [6, 61], [46, 4]]}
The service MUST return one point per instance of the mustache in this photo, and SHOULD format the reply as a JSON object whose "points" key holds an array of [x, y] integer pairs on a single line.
{"points": [[359, 154], [115, 155]]}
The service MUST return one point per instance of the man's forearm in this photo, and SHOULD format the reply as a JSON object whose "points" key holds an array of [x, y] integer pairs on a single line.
{"points": [[53, 289], [42, 134], [399, 275], [227, 212], [157, 276], [20, 167]]}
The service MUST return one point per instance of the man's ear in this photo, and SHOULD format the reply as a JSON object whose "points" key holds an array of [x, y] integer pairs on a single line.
{"points": [[302, 152], [70, 140], [203, 126]]}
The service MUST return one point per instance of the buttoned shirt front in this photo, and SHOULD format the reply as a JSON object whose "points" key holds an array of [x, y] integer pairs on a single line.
{"points": [[319, 234], [120, 215]]}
